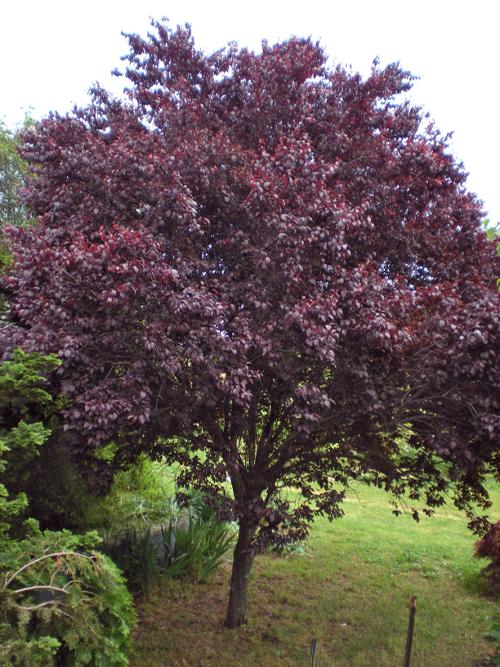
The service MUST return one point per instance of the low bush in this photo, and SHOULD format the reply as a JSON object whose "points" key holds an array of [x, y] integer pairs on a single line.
{"points": [[62, 603], [141, 496], [489, 547]]}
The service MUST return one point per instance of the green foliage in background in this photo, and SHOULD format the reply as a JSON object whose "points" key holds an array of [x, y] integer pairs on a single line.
{"points": [[140, 496], [12, 169], [493, 234]]}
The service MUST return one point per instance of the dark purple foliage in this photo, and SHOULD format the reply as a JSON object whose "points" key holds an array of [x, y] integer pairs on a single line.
{"points": [[489, 547], [262, 267]]}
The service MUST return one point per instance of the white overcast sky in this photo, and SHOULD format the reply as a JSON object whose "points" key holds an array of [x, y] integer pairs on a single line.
{"points": [[52, 50]]}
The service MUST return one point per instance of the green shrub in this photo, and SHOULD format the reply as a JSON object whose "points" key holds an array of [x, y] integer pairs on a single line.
{"points": [[61, 603], [58, 496], [22, 392], [140, 496], [29, 652], [32, 466]]}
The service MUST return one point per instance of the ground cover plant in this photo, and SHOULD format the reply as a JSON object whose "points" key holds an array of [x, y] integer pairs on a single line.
{"points": [[350, 591], [265, 269]]}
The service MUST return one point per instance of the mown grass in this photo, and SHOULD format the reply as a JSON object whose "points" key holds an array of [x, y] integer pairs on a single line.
{"points": [[350, 591]]}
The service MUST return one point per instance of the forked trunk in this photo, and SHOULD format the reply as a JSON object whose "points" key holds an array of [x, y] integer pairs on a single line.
{"points": [[242, 563]]}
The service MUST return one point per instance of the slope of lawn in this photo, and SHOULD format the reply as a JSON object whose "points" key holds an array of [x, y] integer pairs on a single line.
{"points": [[350, 590]]}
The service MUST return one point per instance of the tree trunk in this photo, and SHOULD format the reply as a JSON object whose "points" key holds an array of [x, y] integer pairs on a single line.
{"points": [[244, 554]]}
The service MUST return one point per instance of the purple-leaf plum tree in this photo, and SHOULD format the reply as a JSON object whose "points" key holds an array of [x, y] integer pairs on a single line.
{"points": [[266, 269]]}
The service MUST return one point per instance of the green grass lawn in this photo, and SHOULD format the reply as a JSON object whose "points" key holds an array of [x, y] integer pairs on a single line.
{"points": [[350, 591]]}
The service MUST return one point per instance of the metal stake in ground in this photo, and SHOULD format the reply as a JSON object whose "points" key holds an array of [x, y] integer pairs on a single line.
{"points": [[409, 634], [314, 651]]}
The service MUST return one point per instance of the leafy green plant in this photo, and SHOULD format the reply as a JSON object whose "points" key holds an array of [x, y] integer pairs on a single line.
{"points": [[21, 386], [150, 533], [195, 547], [141, 496]]}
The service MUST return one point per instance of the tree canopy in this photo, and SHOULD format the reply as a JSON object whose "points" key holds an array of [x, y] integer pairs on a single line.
{"points": [[266, 269]]}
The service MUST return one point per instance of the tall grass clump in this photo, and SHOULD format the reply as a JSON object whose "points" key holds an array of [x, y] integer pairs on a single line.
{"points": [[196, 545]]}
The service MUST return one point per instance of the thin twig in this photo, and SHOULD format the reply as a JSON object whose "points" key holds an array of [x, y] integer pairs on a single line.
{"points": [[40, 587], [56, 554]]}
